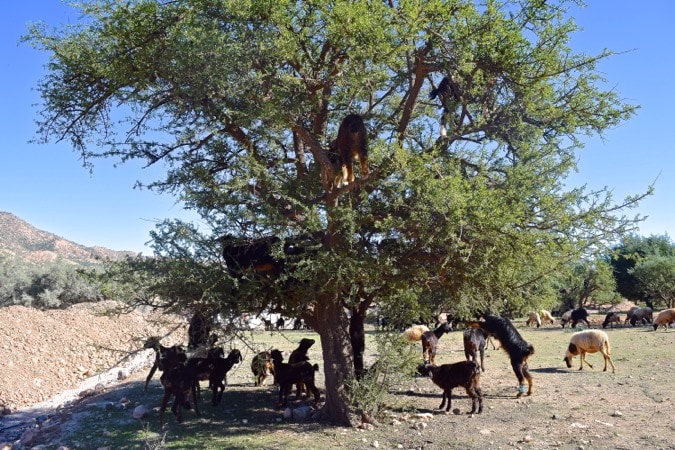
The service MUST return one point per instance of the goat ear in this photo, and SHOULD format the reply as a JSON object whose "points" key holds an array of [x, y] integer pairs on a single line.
{"points": [[572, 348]]}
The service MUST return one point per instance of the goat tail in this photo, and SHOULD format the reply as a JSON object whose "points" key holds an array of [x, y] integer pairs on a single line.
{"points": [[316, 367], [608, 348], [530, 350]]}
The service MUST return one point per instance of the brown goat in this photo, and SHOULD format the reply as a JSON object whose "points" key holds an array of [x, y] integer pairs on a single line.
{"points": [[464, 374], [351, 144], [430, 342], [262, 367]]}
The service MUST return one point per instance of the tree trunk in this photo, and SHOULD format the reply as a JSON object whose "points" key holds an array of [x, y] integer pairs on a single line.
{"points": [[357, 335], [331, 323]]}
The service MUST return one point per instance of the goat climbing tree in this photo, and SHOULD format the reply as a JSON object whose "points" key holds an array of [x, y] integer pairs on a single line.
{"points": [[239, 101]]}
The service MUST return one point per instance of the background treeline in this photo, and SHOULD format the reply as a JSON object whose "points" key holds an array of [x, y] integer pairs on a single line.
{"points": [[639, 269], [46, 285]]}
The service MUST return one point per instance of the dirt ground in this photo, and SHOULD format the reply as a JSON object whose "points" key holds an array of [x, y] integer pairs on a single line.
{"points": [[570, 409]]}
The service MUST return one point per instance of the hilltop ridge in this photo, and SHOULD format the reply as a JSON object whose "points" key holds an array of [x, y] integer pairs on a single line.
{"points": [[20, 239]]}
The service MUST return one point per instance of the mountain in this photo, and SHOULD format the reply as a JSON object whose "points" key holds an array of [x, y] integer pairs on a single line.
{"points": [[21, 239]]}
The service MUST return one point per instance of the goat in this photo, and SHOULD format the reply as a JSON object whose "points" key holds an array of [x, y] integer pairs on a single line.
{"points": [[448, 376], [611, 318], [644, 315], [588, 341], [414, 333], [179, 382], [300, 355], [430, 342], [286, 375], [474, 343], [629, 314], [218, 376], [512, 343], [546, 317], [280, 323], [199, 332], [532, 319], [665, 318], [204, 367], [448, 95], [575, 316], [166, 358], [351, 144], [262, 367]]}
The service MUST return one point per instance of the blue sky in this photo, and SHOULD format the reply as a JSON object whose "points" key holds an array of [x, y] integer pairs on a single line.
{"points": [[47, 186]]}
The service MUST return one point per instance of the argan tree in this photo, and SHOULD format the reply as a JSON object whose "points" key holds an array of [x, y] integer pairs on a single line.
{"points": [[240, 102]]}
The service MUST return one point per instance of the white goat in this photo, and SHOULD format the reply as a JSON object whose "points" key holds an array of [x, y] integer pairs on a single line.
{"points": [[546, 317], [588, 341], [665, 318]]}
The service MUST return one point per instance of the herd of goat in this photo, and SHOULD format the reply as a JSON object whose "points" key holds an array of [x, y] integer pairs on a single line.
{"points": [[182, 371]]}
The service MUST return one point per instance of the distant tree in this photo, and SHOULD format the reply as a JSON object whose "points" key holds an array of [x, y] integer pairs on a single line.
{"points": [[632, 250], [241, 100], [589, 280], [656, 277]]}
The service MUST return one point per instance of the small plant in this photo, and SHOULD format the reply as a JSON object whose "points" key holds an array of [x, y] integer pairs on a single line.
{"points": [[157, 443], [396, 362]]}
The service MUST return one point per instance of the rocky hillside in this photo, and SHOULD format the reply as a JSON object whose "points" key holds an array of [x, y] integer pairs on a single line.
{"points": [[19, 238]]}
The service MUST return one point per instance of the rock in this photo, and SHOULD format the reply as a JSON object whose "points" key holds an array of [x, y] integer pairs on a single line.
{"points": [[140, 411], [420, 426], [288, 413], [617, 414], [456, 411]]}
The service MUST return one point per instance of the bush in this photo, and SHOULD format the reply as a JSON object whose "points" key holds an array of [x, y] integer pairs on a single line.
{"points": [[397, 361]]}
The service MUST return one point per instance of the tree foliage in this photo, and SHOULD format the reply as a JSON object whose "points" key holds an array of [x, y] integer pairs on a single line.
{"points": [[629, 253], [48, 285], [239, 100]]}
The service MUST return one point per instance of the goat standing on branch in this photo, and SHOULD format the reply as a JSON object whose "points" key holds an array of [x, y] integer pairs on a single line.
{"points": [[351, 144]]}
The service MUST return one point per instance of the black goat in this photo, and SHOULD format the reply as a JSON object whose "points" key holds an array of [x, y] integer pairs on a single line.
{"points": [[179, 382], [300, 355], [512, 343], [576, 316], [644, 315], [464, 374], [289, 374], [474, 343], [430, 342], [166, 358], [218, 376], [199, 332]]}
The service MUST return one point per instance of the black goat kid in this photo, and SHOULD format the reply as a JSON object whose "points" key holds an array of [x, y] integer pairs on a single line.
{"points": [[512, 343], [464, 374], [289, 374], [215, 370], [179, 382], [300, 355], [166, 358]]}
